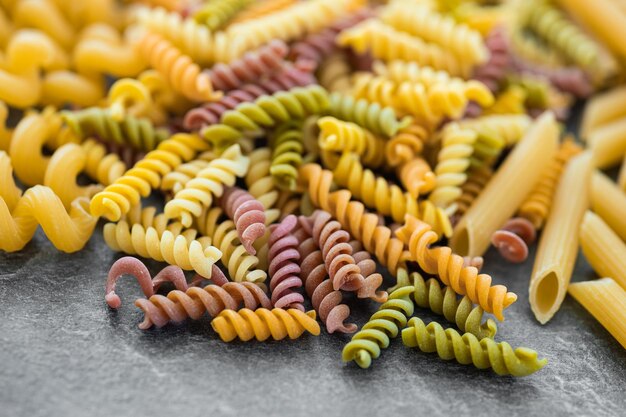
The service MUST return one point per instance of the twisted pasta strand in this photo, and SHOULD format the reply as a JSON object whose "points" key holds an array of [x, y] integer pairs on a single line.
{"points": [[477, 178], [451, 270], [183, 74], [383, 325], [263, 323], [217, 13], [287, 145], [417, 177], [283, 259], [194, 302], [100, 165], [339, 136], [117, 199], [248, 215], [5, 132], [406, 145], [467, 349], [209, 183]]}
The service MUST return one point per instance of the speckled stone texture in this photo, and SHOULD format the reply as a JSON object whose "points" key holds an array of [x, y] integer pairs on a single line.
{"points": [[64, 353]]}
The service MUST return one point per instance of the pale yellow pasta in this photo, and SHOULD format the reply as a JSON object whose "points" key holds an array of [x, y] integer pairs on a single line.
{"points": [[606, 301], [59, 88], [507, 189], [608, 144], [511, 128], [558, 246], [603, 18], [603, 249], [45, 16], [609, 202], [5, 133], [6, 29], [603, 109], [621, 179], [9, 192]]}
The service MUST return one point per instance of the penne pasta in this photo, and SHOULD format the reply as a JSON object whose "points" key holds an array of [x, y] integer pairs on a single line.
{"points": [[603, 109], [603, 18], [608, 144], [508, 188], [604, 250], [609, 202], [606, 301], [558, 247]]}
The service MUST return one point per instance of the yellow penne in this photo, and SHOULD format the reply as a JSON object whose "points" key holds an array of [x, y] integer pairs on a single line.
{"points": [[621, 179], [608, 144], [603, 109], [507, 189], [603, 18], [604, 250], [609, 202], [606, 301], [558, 247]]}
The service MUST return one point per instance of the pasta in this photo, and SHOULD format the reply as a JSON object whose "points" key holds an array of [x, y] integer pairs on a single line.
{"points": [[5, 132], [493, 71], [335, 73], [218, 12], [513, 238], [417, 177], [477, 179], [608, 201], [467, 349], [558, 246], [283, 257], [261, 9], [603, 249], [383, 325], [604, 299], [247, 213], [608, 144], [45, 16], [603, 109], [340, 136], [406, 145], [440, 260], [287, 145], [209, 183], [263, 324], [494, 205], [241, 266]]}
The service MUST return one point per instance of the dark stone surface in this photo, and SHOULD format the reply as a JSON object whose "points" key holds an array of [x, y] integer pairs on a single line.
{"points": [[64, 353]]}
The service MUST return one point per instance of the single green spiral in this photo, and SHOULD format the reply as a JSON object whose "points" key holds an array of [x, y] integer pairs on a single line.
{"points": [[371, 116], [444, 301], [487, 148], [283, 106], [140, 133], [287, 149], [467, 349], [536, 90], [383, 325], [216, 13]]}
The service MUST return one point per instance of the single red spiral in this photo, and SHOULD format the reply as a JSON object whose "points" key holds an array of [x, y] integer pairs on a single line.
{"points": [[513, 238], [494, 70], [247, 213], [283, 268]]}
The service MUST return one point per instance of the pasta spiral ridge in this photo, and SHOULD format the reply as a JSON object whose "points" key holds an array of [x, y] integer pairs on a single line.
{"points": [[250, 67], [492, 72], [477, 178], [185, 251], [467, 349], [420, 20], [217, 13], [5, 132], [241, 266], [388, 44], [417, 177], [100, 165], [209, 183], [195, 302], [386, 323], [363, 226], [176, 179], [451, 270], [452, 163], [443, 301], [287, 145], [183, 74], [263, 324], [247, 213], [94, 121], [284, 270], [537, 206], [117, 199], [371, 116], [406, 145], [340, 136], [39, 205]]}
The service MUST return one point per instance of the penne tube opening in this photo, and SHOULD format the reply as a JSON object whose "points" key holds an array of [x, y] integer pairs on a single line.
{"points": [[546, 295]]}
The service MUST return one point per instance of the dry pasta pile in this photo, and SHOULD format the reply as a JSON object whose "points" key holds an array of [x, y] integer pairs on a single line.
{"points": [[300, 146]]}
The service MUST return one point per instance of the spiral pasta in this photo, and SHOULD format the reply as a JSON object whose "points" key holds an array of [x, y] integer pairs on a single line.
{"points": [[259, 9], [457, 146], [467, 349], [284, 267], [449, 267], [137, 132], [510, 101], [125, 192], [371, 116], [287, 148], [340, 136], [443, 301], [335, 73], [417, 177], [263, 324], [388, 44], [247, 213], [181, 175], [217, 13], [477, 178], [406, 145], [209, 183], [537, 206], [492, 72], [5, 132], [419, 20], [183, 74], [352, 215], [383, 325], [194, 302], [241, 266]]}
